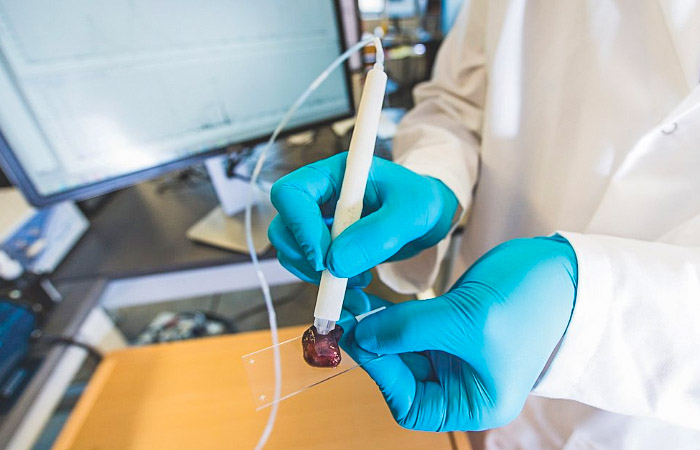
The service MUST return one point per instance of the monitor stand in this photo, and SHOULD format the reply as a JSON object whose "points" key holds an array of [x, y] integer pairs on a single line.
{"points": [[224, 226]]}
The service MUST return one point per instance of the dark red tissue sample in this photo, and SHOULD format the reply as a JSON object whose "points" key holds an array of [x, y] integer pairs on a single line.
{"points": [[322, 350]]}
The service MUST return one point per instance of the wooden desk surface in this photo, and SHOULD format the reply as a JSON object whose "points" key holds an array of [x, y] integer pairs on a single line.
{"points": [[195, 395]]}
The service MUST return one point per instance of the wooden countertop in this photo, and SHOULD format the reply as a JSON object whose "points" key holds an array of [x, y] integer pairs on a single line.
{"points": [[195, 395]]}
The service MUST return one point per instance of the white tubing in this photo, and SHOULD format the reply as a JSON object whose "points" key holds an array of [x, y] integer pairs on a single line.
{"points": [[264, 286], [331, 291]]}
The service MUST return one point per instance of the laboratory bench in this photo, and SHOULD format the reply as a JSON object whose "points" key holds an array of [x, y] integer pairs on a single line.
{"points": [[135, 255], [18, 424], [133, 262], [195, 394]]}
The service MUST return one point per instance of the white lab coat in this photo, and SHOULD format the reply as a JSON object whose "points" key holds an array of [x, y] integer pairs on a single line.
{"points": [[581, 117]]}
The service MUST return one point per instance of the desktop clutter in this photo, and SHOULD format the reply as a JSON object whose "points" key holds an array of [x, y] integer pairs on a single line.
{"points": [[32, 244], [114, 96]]}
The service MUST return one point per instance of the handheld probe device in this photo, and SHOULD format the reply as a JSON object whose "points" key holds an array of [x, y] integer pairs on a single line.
{"points": [[331, 291], [349, 208]]}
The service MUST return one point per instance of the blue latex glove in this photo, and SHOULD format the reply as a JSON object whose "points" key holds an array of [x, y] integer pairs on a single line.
{"points": [[468, 359], [403, 214]]}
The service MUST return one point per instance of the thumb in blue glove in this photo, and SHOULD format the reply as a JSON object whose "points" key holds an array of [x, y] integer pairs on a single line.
{"points": [[467, 360], [404, 213]]}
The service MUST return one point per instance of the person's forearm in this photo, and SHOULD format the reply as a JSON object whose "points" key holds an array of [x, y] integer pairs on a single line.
{"points": [[633, 342], [440, 136]]}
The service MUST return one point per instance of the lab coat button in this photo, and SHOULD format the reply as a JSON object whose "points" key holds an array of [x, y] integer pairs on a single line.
{"points": [[669, 128]]}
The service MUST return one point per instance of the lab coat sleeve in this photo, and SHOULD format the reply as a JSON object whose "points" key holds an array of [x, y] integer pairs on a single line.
{"points": [[440, 136], [633, 343]]}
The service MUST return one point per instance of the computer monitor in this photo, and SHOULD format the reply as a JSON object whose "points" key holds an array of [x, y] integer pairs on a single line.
{"points": [[392, 9], [401, 9], [371, 9], [103, 94]]}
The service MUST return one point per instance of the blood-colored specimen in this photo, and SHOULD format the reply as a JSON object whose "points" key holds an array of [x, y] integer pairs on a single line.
{"points": [[322, 350]]}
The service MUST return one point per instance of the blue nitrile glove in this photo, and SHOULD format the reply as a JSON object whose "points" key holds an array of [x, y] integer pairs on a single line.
{"points": [[403, 214], [468, 359]]}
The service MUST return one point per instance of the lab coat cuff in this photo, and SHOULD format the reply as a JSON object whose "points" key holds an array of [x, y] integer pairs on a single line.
{"points": [[409, 276], [594, 296], [434, 162]]}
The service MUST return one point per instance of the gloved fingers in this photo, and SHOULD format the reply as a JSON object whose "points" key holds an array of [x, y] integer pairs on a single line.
{"points": [[407, 251], [453, 400], [420, 366], [398, 377], [370, 241], [298, 198], [358, 302], [302, 271], [289, 253], [428, 409], [415, 404], [394, 378], [412, 248], [294, 260], [412, 326], [479, 403], [360, 281], [421, 401]]}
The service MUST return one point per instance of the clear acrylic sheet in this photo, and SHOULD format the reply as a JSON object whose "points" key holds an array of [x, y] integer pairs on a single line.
{"points": [[297, 375]]}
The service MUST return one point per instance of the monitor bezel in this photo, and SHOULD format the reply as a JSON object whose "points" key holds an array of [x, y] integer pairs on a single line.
{"points": [[20, 179]]}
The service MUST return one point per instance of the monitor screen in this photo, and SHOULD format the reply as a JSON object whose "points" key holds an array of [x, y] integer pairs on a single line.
{"points": [[100, 94], [371, 8], [401, 9]]}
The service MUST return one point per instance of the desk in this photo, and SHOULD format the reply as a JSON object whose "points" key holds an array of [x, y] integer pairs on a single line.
{"points": [[137, 242], [195, 394], [76, 316], [135, 252], [140, 231]]}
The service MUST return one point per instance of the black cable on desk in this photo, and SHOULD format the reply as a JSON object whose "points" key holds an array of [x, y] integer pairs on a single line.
{"points": [[49, 339], [259, 309]]}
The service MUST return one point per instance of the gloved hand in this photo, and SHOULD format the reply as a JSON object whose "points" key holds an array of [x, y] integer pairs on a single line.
{"points": [[403, 214], [468, 359]]}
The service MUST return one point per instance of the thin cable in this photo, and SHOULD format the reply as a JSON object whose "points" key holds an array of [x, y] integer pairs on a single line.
{"points": [[264, 286], [379, 54], [50, 339]]}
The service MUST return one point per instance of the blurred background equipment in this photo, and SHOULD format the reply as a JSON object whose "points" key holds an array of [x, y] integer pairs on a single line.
{"points": [[87, 111], [449, 11], [16, 326], [103, 95], [31, 291], [170, 326], [38, 239], [4, 182], [412, 33], [107, 96]]}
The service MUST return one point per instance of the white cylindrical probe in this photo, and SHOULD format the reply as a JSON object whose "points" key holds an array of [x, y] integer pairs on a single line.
{"points": [[331, 291]]}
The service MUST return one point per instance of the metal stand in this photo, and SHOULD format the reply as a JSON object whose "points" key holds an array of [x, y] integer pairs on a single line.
{"points": [[224, 226]]}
